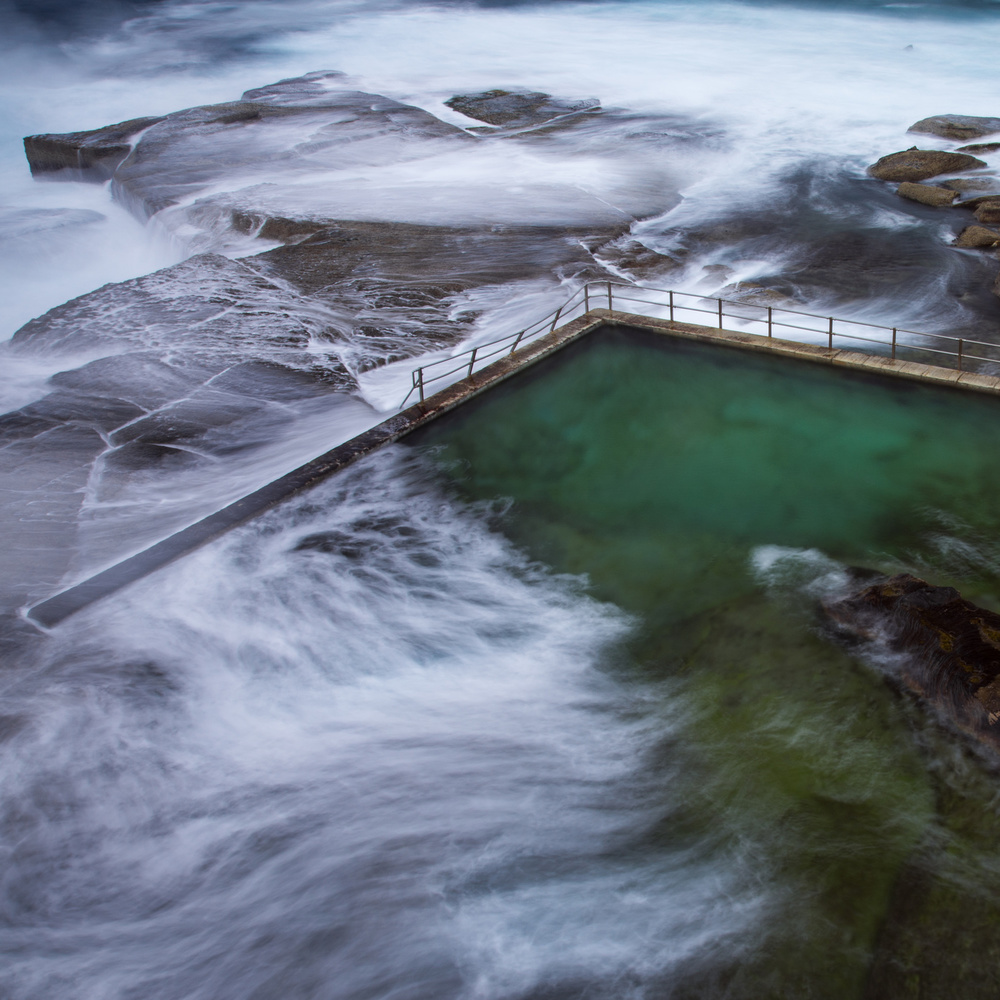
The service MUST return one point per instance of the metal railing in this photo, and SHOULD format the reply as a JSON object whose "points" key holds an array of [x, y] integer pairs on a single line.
{"points": [[961, 353]]}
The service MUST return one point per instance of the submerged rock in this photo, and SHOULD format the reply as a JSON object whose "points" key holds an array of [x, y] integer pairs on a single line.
{"points": [[180, 369], [980, 147], [942, 647], [970, 185], [926, 194], [22, 224], [920, 164], [957, 126], [516, 107]]}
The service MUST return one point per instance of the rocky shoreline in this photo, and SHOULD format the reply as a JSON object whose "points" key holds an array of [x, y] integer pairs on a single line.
{"points": [[301, 287], [978, 192]]}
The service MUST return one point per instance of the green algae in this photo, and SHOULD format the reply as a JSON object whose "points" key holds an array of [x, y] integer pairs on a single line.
{"points": [[658, 468]]}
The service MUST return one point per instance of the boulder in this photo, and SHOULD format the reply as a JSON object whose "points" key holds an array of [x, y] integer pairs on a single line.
{"points": [[517, 108], [978, 238], [926, 194], [988, 211], [92, 156], [944, 649], [972, 185], [920, 164], [980, 147], [973, 201], [957, 126]]}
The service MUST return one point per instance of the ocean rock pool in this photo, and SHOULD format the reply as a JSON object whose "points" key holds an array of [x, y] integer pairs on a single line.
{"points": [[715, 495]]}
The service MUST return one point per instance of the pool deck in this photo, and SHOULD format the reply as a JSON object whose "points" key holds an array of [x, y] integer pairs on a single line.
{"points": [[53, 610]]}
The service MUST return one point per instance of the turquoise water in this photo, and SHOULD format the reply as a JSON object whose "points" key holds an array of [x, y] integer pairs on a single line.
{"points": [[712, 493]]}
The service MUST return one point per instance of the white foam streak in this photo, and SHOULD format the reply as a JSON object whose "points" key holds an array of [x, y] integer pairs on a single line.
{"points": [[362, 735]]}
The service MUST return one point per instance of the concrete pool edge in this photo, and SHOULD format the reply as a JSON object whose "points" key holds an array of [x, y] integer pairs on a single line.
{"points": [[53, 610], [874, 363]]}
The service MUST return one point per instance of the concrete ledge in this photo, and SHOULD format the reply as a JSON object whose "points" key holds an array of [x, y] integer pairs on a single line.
{"points": [[55, 609], [932, 374]]}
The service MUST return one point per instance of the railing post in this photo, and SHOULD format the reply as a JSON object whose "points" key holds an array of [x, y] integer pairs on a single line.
{"points": [[555, 319], [611, 307], [831, 334], [769, 320], [959, 353], [586, 297], [420, 383], [472, 360], [720, 313], [671, 306], [893, 343], [517, 340]]}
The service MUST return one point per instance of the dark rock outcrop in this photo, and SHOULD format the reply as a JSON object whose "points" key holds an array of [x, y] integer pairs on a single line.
{"points": [[944, 648], [920, 164], [517, 108], [957, 126], [980, 147], [92, 156], [927, 194]]}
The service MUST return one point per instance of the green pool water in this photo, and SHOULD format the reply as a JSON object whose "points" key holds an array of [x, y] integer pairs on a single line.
{"points": [[667, 472]]}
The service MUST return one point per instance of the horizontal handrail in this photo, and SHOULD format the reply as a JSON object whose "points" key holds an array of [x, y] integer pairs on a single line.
{"points": [[601, 293]]}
